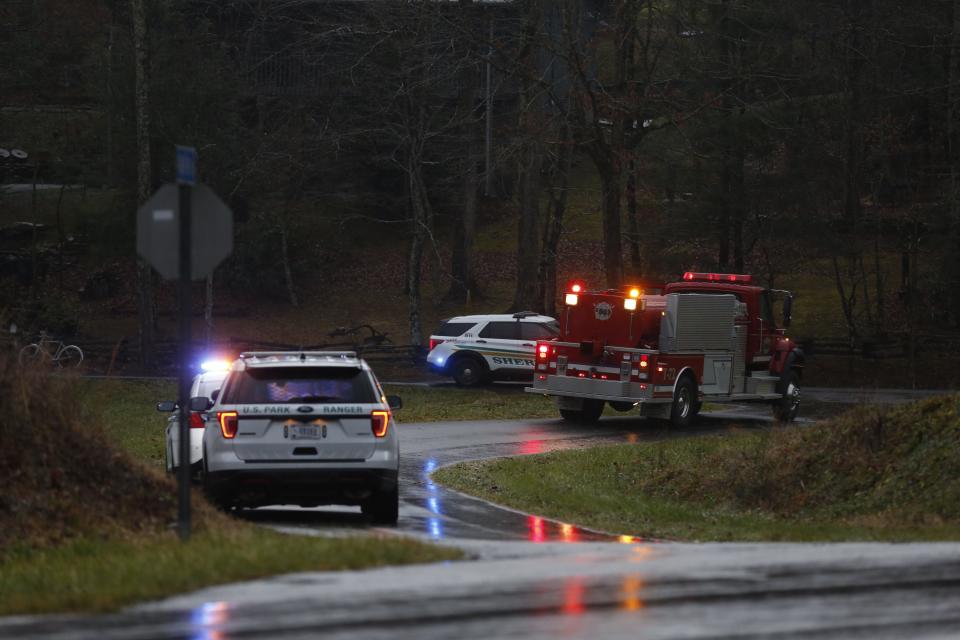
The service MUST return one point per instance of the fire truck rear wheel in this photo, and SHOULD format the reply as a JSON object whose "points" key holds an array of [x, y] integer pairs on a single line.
{"points": [[468, 371], [684, 406], [788, 406], [588, 414]]}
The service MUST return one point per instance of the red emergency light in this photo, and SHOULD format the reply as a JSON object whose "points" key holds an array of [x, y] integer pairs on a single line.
{"points": [[717, 277], [576, 286]]}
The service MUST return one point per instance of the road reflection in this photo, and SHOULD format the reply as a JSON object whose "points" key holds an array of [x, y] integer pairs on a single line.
{"points": [[434, 522], [207, 621]]}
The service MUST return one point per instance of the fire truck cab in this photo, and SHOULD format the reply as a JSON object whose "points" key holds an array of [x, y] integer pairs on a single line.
{"points": [[666, 349]]}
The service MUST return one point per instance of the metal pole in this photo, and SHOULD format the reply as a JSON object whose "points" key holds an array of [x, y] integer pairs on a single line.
{"points": [[488, 134], [184, 304]]}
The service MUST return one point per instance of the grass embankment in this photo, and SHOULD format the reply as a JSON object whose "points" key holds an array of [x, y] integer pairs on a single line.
{"points": [[85, 525], [870, 474]]}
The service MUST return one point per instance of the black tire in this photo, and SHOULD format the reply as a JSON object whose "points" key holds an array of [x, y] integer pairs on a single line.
{"points": [[468, 371], [588, 414], [682, 410], [383, 507], [788, 406], [622, 407]]}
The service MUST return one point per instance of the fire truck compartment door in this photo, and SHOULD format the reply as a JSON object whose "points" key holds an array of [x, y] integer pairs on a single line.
{"points": [[716, 374]]}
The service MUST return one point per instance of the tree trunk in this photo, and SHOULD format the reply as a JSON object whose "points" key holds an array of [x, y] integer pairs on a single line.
{"points": [[285, 261], [461, 262], [528, 250], [108, 98], [633, 223], [529, 164], [953, 146], [208, 311], [553, 228], [610, 179], [737, 199], [419, 219], [145, 301]]}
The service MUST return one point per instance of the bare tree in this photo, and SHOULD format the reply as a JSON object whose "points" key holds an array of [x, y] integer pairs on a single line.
{"points": [[145, 305]]}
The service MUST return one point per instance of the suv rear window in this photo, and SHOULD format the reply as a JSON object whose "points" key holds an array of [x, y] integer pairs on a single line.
{"points": [[453, 329], [297, 385], [501, 330]]}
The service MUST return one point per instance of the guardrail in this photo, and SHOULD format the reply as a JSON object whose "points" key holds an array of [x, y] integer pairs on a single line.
{"points": [[881, 348], [122, 356], [112, 357]]}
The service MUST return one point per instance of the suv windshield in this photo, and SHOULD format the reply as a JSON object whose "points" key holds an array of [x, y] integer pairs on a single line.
{"points": [[281, 385]]}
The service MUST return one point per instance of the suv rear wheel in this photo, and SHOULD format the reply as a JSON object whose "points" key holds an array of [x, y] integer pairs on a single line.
{"points": [[383, 507], [468, 371]]}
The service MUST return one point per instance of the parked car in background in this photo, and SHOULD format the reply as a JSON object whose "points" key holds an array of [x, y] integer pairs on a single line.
{"points": [[479, 348]]}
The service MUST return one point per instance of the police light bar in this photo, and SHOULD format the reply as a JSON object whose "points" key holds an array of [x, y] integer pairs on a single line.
{"points": [[215, 365], [717, 277]]}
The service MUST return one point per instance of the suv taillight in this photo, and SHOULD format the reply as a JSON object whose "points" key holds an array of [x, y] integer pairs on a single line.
{"points": [[228, 424], [434, 342], [378, 423], [543, 351], [196, 420]]}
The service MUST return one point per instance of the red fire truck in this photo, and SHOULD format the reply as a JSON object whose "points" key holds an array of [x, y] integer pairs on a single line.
{"points": [[666, 349]]}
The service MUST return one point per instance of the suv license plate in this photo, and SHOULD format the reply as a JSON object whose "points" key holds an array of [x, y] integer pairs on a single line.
{"points": [[305, 432]]}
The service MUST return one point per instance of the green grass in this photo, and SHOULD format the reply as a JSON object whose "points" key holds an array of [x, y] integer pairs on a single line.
{"points": [[127, 411], [102, 575], [871, 474], [421, 404]]}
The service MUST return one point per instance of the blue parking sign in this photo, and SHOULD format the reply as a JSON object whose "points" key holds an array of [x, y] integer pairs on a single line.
{"points": [[186, 165]]}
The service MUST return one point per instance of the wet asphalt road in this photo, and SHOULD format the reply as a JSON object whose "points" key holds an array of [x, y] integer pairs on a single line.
{"points": [[531, 577]]}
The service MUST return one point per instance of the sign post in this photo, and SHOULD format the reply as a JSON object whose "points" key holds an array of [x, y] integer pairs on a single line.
{"points": [[186, 178], [184, 231]]}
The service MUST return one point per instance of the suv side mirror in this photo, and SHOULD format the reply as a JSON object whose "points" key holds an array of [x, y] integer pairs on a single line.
{"points": [[394, 402], [200, 403], [215, 395], [787, 310], [167, 406]]}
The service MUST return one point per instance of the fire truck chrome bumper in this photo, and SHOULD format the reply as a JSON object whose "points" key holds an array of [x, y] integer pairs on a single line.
{"points": [[614, 390]]}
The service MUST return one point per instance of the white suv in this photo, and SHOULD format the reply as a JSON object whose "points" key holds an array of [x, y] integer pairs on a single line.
{"points": [[475, 349], [305, 428], [207, 385]]}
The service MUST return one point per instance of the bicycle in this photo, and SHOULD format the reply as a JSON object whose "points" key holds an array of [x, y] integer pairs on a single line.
{"points": [[64, 355]]}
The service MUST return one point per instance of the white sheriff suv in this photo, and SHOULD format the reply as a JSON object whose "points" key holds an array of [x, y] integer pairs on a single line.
{"points": [[476, 349], [306, 428]]}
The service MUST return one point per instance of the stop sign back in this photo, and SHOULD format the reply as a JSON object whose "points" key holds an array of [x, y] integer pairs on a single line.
{"points": [[211, 231]]}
